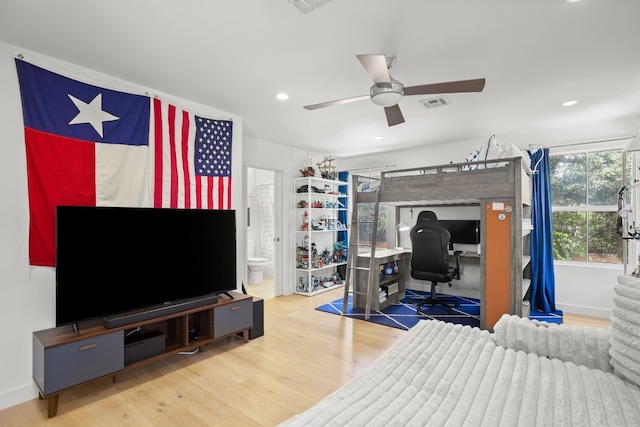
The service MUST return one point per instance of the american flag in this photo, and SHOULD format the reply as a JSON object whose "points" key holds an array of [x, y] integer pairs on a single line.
{"points": [[192, 159]]}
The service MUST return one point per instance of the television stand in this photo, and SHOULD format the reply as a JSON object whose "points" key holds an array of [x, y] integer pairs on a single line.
{"points": [[227, 294], [63, 359]]}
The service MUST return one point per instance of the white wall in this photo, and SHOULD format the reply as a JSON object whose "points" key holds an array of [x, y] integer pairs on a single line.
{"points": [[580, 288], [27, 294]]}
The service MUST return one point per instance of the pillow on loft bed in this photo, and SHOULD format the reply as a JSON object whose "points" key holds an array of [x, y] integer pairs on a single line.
{"points": [[492, 150]]}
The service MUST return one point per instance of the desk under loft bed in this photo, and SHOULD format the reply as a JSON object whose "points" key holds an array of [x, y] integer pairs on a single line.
{"points": [[502, 189]]}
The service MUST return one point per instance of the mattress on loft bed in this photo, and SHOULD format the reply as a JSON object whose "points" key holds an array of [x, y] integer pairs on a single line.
{"points": [[446, 374]]}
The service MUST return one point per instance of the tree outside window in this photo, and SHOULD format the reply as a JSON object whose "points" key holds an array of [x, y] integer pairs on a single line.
{"points": [[584, 193], [365, 226]]}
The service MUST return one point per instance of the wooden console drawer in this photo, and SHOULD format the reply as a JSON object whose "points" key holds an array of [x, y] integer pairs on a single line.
{"points": [[58, 367], [233, 317]]}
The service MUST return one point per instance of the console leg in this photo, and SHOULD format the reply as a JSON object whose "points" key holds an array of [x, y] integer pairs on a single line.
{"points": [[245, 335], [52, 405]]}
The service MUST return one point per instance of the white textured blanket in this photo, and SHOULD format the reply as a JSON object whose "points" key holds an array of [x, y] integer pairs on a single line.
{"points": [[446, 374], [580, 345], [625, 329]]}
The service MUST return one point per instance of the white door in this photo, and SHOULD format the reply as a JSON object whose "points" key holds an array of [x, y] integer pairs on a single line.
{"points": [[263, 195]]}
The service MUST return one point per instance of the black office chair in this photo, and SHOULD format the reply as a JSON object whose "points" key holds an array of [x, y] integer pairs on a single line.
{"points": [[430, 259]]}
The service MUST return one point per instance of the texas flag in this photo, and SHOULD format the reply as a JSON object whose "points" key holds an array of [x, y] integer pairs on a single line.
{"points": [[85, 145]]}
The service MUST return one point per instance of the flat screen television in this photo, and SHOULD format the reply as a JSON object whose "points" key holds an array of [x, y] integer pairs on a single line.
{"points": [[114, 259], [464, 231]]}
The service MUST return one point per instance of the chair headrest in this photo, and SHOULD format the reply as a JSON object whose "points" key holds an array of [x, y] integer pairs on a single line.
{"points": [[427, 216]]}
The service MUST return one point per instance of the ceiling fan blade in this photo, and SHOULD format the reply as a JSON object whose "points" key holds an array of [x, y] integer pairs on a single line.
{"points": [[394, 115], [376, 66], [475, 85], [337, 102]]}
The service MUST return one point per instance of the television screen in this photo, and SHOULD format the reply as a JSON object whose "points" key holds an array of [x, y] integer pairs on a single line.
{"points": [[113, 259], [465, 231]]}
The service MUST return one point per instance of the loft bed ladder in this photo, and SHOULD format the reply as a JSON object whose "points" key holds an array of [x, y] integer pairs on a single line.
{"points": [[354, 247]]}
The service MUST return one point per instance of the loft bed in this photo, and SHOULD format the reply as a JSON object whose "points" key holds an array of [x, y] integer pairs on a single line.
{"points": [[502, 188], [453, 183]]}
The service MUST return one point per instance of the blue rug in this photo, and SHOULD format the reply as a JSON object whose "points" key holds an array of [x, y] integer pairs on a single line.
{"points": [[541, 316], [402, 314]]}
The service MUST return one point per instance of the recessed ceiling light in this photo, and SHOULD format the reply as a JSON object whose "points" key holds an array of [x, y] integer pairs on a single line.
{"points": [[377, 138], [572, 1], [282, 96], [569, 103]]}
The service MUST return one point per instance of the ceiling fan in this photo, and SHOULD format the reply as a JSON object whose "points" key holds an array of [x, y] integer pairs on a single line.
{"points": [[387, 92]]}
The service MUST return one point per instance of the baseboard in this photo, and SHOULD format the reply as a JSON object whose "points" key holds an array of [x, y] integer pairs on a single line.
{"points": [[584, 311], [18, 395]]}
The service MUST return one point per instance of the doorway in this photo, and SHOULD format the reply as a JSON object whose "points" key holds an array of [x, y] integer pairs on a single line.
{"points": [[263, 243]]}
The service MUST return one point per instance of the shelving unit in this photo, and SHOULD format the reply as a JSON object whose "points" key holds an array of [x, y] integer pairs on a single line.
{"points": [[63, 359], [318, 252], [525, 249]]}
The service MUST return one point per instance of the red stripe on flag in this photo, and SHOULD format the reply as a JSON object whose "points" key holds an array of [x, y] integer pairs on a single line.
{"points": [[198, 180], [173, 163], [210, 192], [157, 135], [185, 161], [221, 189]]}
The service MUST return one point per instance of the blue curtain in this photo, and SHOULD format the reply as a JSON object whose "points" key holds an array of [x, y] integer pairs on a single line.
{"points": [[542, 295]]}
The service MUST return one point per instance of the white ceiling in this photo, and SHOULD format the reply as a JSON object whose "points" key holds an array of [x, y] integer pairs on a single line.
{"points": [[235, 55]]}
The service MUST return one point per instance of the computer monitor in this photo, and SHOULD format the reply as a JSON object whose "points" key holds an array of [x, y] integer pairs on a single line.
{"points": [[465, 231]]}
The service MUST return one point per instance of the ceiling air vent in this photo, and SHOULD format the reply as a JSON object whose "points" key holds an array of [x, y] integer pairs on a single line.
{"points": [[307, 5], [440, 101]]}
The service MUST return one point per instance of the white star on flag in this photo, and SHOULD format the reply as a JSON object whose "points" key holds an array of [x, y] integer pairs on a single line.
{"points": [[91, 113]]}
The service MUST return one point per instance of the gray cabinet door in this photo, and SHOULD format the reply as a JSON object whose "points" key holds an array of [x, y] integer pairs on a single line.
{"points": [[63, 366], [233, 317]]}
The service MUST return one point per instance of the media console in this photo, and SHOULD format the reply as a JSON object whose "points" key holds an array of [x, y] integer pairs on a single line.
{"points": [[63, 359]]}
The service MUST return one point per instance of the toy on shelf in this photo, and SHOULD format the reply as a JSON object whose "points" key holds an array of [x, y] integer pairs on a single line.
{"points": [[327, 169], [308, 169]]}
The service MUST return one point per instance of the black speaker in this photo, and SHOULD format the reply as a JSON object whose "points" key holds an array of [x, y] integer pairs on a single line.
{"points": [[258, 319]]}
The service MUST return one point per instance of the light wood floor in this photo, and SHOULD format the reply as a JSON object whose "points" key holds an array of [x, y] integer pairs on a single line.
{"points": [[303, 356]]}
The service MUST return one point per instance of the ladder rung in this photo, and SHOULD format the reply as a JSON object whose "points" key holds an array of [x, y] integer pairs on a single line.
{"points": [[357, 292], [360, 268]]}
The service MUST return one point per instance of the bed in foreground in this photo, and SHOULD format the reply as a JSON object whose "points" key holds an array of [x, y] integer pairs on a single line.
{"points": [[446, 374]]}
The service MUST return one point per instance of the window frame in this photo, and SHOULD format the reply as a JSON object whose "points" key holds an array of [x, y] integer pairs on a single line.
{"points": [[586, 149]]}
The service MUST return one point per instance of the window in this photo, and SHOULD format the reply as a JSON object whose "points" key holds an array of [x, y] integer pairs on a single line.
{"points": [[365, 226], [584, 197]]}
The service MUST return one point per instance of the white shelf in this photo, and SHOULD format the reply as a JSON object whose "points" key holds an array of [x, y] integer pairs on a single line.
{"points": [[332, 265], [322, 231], [324, 214], [319, 291]]}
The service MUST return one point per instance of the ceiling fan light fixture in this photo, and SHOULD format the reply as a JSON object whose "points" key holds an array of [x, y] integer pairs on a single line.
{"points": [[387, 94]]}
